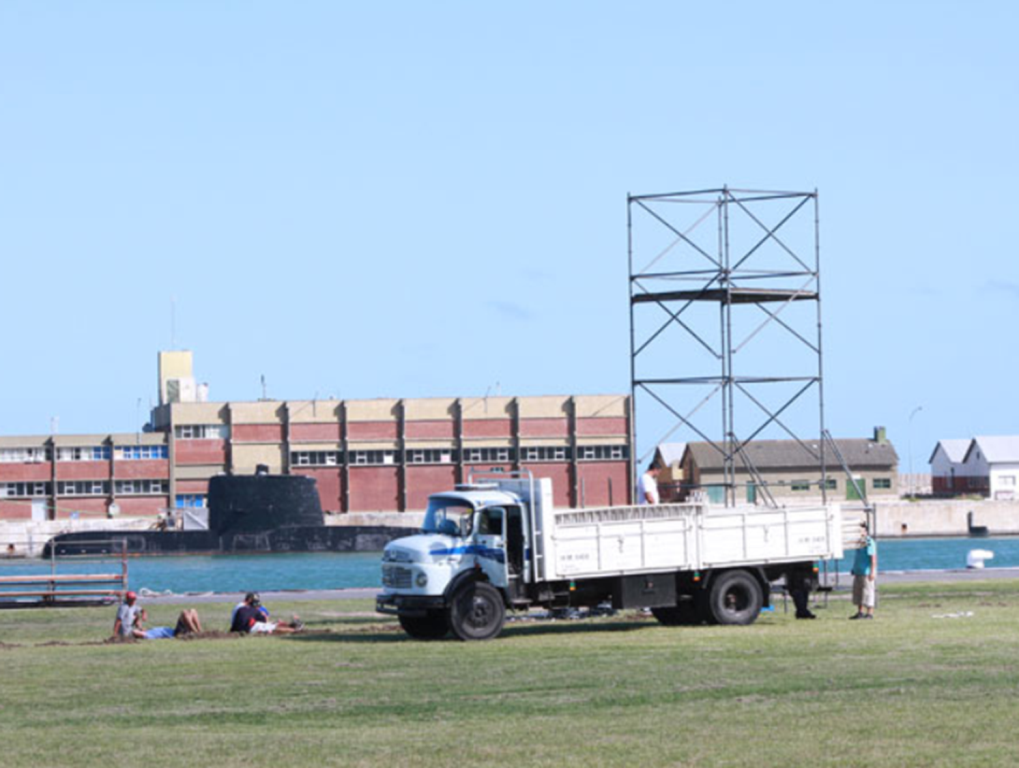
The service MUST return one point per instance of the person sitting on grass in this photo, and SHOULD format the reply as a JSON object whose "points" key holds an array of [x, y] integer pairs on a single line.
{"points": [[251, 618], [131, 617], [254, 599]]}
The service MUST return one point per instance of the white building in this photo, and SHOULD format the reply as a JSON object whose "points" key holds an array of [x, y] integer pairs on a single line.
{"points": [[992, 466]]}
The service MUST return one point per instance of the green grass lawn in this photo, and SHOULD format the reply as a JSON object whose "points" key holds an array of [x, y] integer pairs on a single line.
{"points": [[922, 685]]}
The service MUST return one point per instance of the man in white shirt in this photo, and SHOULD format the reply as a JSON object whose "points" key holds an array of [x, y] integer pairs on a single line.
{"points": [[647, 488]]}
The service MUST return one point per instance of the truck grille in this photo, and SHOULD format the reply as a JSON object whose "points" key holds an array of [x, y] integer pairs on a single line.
{"points": [[396, 576]]}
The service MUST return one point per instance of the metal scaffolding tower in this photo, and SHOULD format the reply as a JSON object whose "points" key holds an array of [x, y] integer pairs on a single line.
{"points": [[725, 310]]}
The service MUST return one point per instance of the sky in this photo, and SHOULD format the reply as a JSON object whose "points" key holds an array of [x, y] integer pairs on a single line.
{"points": [[364, 200]]}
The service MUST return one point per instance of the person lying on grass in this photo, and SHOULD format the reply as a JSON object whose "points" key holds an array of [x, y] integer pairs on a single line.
{"points": [[131, 618], [251, 618]]}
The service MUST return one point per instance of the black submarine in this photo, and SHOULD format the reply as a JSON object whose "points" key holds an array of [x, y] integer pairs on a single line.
{"points": [[247, 514]]}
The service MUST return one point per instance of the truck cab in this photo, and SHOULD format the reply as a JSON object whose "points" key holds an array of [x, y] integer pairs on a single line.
{"points": [[462, 569]]}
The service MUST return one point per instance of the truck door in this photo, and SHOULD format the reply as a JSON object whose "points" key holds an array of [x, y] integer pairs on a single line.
{"points": [[516, 572], [489, 544], [515, 541]]}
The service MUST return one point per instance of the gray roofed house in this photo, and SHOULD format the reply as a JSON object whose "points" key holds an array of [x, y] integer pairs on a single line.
{"points": [[792, 470], [790, 454], [948, 473]]}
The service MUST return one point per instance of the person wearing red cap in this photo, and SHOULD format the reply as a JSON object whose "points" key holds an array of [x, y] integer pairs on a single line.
{"points": [[130, 618], [128, 615]]}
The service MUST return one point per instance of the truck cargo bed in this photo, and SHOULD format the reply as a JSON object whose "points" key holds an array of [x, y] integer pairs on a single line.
{"points": [[650, 538]]}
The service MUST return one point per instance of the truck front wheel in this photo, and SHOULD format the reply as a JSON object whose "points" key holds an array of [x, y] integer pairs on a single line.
{"points": [[736, 598], [477, 612], [431, 627]]}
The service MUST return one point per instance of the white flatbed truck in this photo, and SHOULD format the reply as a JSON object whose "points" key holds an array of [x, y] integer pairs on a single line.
{"points": [[498, 544]]}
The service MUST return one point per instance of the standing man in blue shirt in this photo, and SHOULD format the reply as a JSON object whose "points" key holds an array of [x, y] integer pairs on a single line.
{"points": [[865, 576]]}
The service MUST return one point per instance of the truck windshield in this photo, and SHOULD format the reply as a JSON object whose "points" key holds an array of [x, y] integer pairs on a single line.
{"points": [[451, 517]]}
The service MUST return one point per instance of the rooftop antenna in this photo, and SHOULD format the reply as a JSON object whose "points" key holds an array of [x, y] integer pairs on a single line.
{"points": [[264, 397]]}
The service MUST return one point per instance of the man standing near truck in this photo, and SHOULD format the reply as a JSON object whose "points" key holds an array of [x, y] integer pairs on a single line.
{"points": [[647, 488], [865, 576]]}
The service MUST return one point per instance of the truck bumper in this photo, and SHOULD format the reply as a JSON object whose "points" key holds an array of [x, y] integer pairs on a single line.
{"points": [[409, 605]]}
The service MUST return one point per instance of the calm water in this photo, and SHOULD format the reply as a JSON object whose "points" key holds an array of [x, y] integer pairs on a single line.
{"points": [[239, 573], [227, 573], [938, 554]]}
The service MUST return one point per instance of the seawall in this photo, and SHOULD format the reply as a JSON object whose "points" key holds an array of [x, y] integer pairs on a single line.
{"points": [[945, 517]]}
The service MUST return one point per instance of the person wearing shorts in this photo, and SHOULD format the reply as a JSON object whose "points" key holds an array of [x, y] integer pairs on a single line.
{"points": [[188, 623], [131, 617], [865, 576]]}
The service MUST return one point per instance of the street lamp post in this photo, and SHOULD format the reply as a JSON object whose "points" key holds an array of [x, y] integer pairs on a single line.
{"points": [[909, 441]]}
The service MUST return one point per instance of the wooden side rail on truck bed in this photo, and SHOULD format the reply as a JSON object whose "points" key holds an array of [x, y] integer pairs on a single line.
{"points": [[48, 588]]}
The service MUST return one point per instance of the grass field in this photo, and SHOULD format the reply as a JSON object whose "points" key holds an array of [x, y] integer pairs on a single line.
{"points": [[925, 684]]}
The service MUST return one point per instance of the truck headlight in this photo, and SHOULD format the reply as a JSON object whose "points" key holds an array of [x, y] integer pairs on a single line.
{"points": [[422, 579]]}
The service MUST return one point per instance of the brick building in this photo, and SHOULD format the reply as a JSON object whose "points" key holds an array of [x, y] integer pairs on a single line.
{"points": [[366, 455]]}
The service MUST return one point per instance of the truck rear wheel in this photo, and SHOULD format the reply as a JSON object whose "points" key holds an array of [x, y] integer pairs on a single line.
{"points": [[477, 612], [431, 627], [736, 598]]}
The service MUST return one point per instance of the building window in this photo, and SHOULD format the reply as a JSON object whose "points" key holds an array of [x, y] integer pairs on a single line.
{"points": [[190, 501], [83, 488], [202, 432], [315, 458], [1007, 480], [800, 485], [372, 458], [881, 483], [547, 453], [140, 487], [831, 484], [430, 456], [483, 455], [602, 453], [140, 452], [91, 453], [23, 490], [25, 455]]}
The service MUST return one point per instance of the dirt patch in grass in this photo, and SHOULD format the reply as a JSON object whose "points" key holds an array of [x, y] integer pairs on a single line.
{"points": [[210, 635]]}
